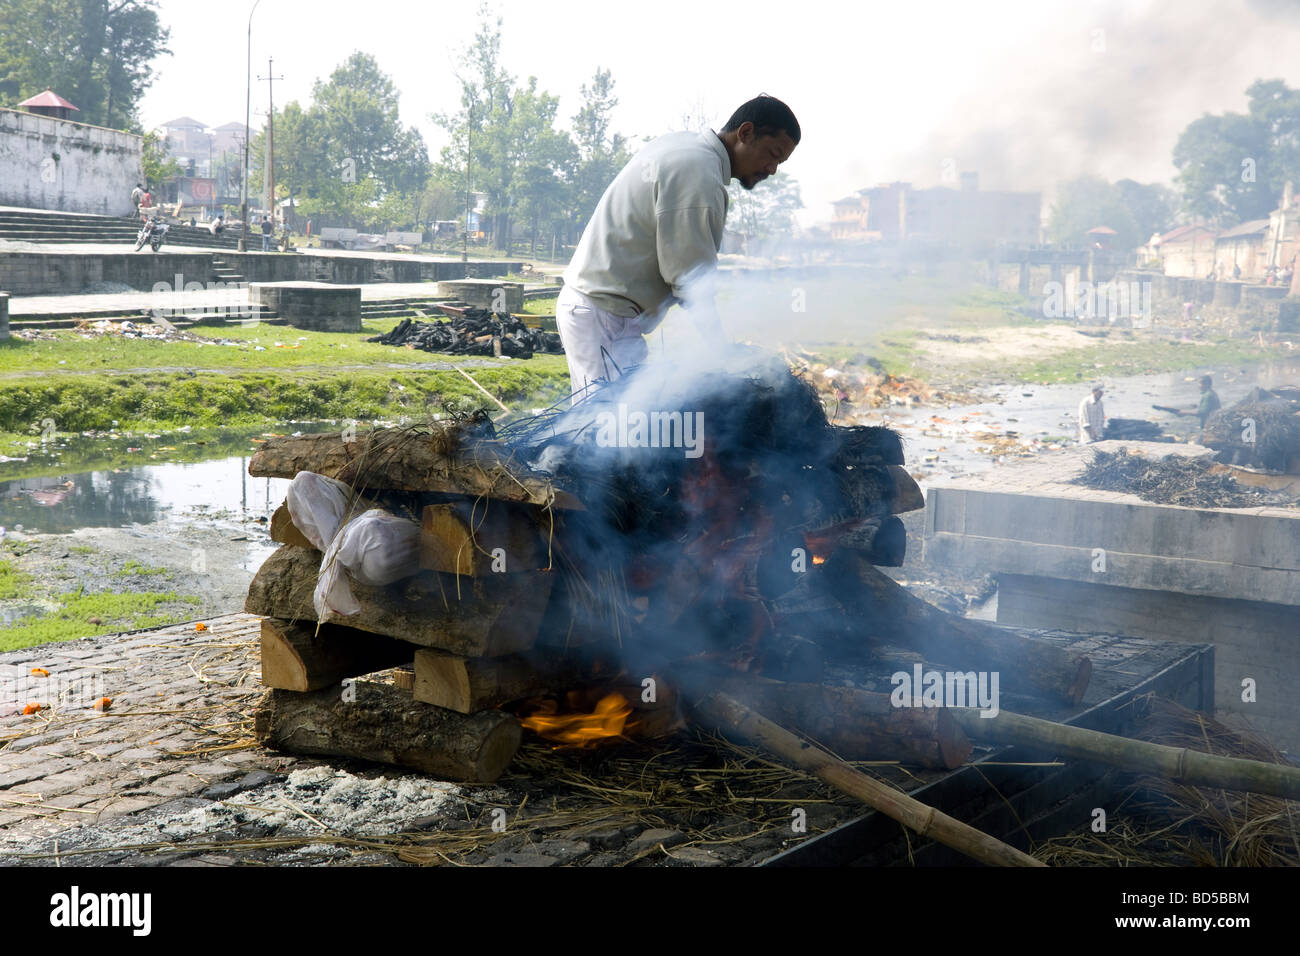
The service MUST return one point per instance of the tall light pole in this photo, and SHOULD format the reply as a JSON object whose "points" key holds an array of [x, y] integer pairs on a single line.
{"points": [[248, 118]]}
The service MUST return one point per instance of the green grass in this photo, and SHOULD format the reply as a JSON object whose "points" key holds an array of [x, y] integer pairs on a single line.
{"points": [[135, 569], [541, 306], [297, 348], [153, 401], [1126, 357], [81, 549], [129, 611], [13, 582]]}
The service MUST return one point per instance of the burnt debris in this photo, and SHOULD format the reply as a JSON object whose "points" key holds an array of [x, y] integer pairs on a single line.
{"points": [[476, 332]]}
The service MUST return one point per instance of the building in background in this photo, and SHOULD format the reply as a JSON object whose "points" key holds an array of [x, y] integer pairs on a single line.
{"points": [[895, 212]]}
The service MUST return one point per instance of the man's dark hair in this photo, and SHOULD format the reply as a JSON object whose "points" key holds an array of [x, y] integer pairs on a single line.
{"points": [[768, 114]]}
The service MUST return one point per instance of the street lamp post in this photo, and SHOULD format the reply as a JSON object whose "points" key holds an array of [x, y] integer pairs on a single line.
{"points": [[248, 118]]}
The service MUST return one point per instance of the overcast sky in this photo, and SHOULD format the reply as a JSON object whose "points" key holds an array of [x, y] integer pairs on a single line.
{"points": [[1026, 92]]}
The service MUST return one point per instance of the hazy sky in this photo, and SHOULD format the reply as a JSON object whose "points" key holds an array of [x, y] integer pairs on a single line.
{"points": [[1026, 92]]}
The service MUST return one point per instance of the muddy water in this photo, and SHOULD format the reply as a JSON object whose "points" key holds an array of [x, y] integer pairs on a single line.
{"points": [[204, 522]]}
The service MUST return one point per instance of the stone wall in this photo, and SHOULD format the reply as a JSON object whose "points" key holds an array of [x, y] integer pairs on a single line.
{"points": [[65, 273], [47, 163], [1252, 639]]}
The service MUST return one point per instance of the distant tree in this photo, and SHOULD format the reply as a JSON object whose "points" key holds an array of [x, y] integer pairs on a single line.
{"points": [[1084, 203], [502, 133], [96, 53], [158, 165], [601, 153], [765, 214], [346, 157], [1232, 167], [1153, 207]]}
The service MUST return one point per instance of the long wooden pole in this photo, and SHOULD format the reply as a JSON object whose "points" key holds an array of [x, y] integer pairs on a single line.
{"points": [[730, 715], [1175, 763]]}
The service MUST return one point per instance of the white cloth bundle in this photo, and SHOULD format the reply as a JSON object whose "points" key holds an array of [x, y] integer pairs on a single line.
{"points": [[373, 547]]}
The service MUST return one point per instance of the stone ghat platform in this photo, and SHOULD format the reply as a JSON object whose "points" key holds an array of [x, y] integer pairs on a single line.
{"points": [[1088, 560], [62, 270]]}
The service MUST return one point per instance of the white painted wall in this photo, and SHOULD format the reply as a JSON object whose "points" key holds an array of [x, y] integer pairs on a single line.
{"points": [[56, 164]]}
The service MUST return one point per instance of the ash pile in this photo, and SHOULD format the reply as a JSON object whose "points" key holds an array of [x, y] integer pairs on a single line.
{"points": [[701, 529], [475, 332]]}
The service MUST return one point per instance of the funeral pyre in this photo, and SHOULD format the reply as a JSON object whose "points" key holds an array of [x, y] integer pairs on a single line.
{"points": [[683, 545]]}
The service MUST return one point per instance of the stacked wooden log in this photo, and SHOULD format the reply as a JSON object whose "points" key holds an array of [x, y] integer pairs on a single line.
{"points": [[466, 620]]}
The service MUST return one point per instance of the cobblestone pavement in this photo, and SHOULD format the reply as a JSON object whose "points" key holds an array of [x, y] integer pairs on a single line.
{"points": [[179, 722]]}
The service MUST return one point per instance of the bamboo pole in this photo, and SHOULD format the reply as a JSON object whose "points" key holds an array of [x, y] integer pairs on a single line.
{"points": [[473, 382], [1175, 763], [729, 715]]}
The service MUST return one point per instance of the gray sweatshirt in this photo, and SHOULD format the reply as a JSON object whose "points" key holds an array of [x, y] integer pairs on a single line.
{"points": [[657, 229]]}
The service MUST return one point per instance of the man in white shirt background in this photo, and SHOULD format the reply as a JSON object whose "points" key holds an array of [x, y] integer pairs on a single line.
{"points": [[653, 240], [1092, 417]]}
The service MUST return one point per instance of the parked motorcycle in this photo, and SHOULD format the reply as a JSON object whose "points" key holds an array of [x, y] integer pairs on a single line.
{"points": [[152, 231]]}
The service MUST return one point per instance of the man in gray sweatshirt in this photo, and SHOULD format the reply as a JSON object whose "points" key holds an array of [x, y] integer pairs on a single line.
{"points": [[653, 240]]}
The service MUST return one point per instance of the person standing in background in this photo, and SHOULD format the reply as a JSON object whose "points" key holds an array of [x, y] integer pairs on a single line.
{"points": [[1209, 403], [137, 195], [1092, 417]]}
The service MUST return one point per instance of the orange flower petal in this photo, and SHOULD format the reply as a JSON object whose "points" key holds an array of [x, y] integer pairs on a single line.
{"points": [[200, 626], [103, 703], [40, 672], [31, 708]]}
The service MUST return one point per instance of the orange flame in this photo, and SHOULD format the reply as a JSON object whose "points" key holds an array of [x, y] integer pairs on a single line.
{"points": [[579, 729], [819, 559]]}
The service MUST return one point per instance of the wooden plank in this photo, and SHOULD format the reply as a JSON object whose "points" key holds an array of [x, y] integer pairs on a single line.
{"points": [[300, 657], [476, 617], [381, 723]]}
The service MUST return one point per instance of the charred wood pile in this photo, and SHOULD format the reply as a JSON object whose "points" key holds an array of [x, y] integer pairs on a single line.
{"points": [[473, 331], [676, 547]]}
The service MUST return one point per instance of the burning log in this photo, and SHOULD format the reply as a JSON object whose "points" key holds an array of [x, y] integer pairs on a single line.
{"points": [[1174, 763], [732, 717], [476, 617], [856, 724], [882, 540], [1025, 665], [469, 684], [476, 539], [298, 657], [451, 459], [384, 725]]}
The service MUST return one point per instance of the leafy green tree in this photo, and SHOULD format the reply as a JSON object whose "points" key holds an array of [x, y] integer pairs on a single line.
{"points": [[601, 152], [764, 215], [1232, 167], [1085, 203], [503, 135], [96, 53], [158, 165], [346, 157]]}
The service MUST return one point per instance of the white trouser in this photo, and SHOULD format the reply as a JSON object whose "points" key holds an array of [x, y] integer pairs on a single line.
{"points": [[598, 344]]}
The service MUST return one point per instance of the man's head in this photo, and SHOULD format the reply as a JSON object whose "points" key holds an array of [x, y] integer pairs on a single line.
{"points": [[760, 136], [1096, 392], [1207, 383]]}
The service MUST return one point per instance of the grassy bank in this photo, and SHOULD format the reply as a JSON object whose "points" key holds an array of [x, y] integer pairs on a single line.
{"points": [[1123, 355], [154, 401], [54, 615]]}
